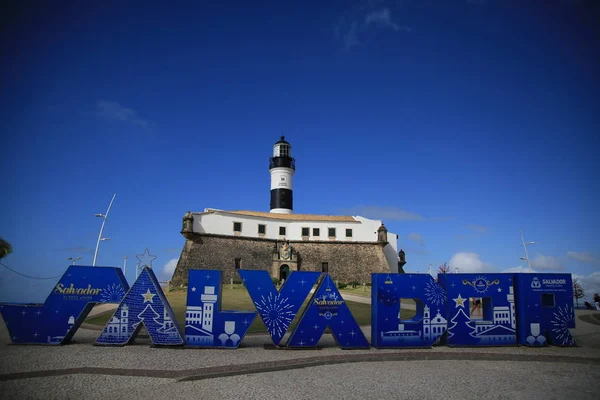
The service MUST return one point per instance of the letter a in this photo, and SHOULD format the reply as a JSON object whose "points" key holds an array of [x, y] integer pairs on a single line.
{"points": [[328, 308], [144, 305]]}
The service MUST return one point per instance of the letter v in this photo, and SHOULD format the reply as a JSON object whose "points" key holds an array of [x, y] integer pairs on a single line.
{"points": [[278, 309]]}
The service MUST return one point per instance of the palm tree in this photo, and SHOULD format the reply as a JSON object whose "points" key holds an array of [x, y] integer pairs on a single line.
{"points": [[5, 248]]}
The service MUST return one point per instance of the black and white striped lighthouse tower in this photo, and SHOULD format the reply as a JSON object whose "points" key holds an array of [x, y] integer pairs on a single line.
{"points": [[282, 167]]}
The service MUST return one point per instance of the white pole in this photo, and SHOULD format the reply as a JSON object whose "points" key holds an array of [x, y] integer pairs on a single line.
{"points": [[104, 217], [125, 266], [526, 255]]}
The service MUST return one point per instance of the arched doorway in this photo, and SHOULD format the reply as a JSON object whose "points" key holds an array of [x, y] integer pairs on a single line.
{"points": [[284, 271]]}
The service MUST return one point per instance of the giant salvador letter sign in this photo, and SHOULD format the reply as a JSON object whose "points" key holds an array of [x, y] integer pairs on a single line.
{"points": [[545, 311], [205, 324], [388, 329], [325, 309], [278, 308], [57, 319], [145, 305], [498, 323], [526, 309]]}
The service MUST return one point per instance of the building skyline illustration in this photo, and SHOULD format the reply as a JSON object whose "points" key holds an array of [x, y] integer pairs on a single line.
{"points": [[58, 339], [199, 319], [118, 327], [432, 329], [503, 326]]}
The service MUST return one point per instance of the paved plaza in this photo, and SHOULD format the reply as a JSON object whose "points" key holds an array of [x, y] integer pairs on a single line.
{"points": [[85, 371]]}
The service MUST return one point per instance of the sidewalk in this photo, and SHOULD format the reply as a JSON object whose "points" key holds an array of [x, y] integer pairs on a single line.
{"points": [[139, 370]]}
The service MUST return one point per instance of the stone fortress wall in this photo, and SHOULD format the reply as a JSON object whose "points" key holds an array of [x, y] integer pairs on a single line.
{"points": [[347, 261]]}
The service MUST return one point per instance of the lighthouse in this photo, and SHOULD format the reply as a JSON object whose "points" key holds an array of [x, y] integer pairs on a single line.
{"points": [[282, 167]]}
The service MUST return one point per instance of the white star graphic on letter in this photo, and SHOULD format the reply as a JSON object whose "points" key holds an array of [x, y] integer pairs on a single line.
{"points": [[148, 296], [460, 302]]}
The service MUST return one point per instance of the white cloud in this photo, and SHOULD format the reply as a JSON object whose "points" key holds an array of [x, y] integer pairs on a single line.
{"points": [[167, 272], [469, 263], [382, 18], [348, 28], [547, 263], [586, 257], [383, 213], [518, 269], [416, 237], [115, 111], [346, 33], [350, 38], [477, 228]]}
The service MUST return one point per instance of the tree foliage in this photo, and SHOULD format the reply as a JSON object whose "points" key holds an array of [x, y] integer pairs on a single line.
{"points": [[578, 291], [5, 248], [443, 268]]}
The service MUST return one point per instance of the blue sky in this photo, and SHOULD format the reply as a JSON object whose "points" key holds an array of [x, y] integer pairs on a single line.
{"points": [[458, 123]]}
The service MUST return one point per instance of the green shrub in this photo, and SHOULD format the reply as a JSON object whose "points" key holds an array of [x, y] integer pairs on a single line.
{"points": [[341, 285], [354, 284], [275, 280]]}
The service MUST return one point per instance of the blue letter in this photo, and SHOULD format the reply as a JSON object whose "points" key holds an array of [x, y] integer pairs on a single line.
{"points": [[429, 323], [278, 309], [545, 309], [328, 308], [205, 324], [493, 322], [144, 305], [73, 297]]}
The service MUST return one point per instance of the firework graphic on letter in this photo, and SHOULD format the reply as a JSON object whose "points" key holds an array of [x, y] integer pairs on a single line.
{"points": [[276, 313], [434, 293], [113, 293], [561, 321]]}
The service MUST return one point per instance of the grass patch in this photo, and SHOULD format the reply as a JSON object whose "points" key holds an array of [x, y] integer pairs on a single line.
{"points": [[237, 298], [357, 291]]}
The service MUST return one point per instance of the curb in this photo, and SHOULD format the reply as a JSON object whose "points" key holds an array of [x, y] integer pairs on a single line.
{"points": [[283, 365]]}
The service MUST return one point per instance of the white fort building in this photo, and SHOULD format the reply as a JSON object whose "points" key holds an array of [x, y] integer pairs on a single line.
{"points": [[350, 248]]}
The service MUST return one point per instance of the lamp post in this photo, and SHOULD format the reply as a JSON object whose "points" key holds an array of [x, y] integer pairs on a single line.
{"points": [[456, 270], [526, 255], [74, 260], [429, 269], [125, 266], [100, 238]]}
